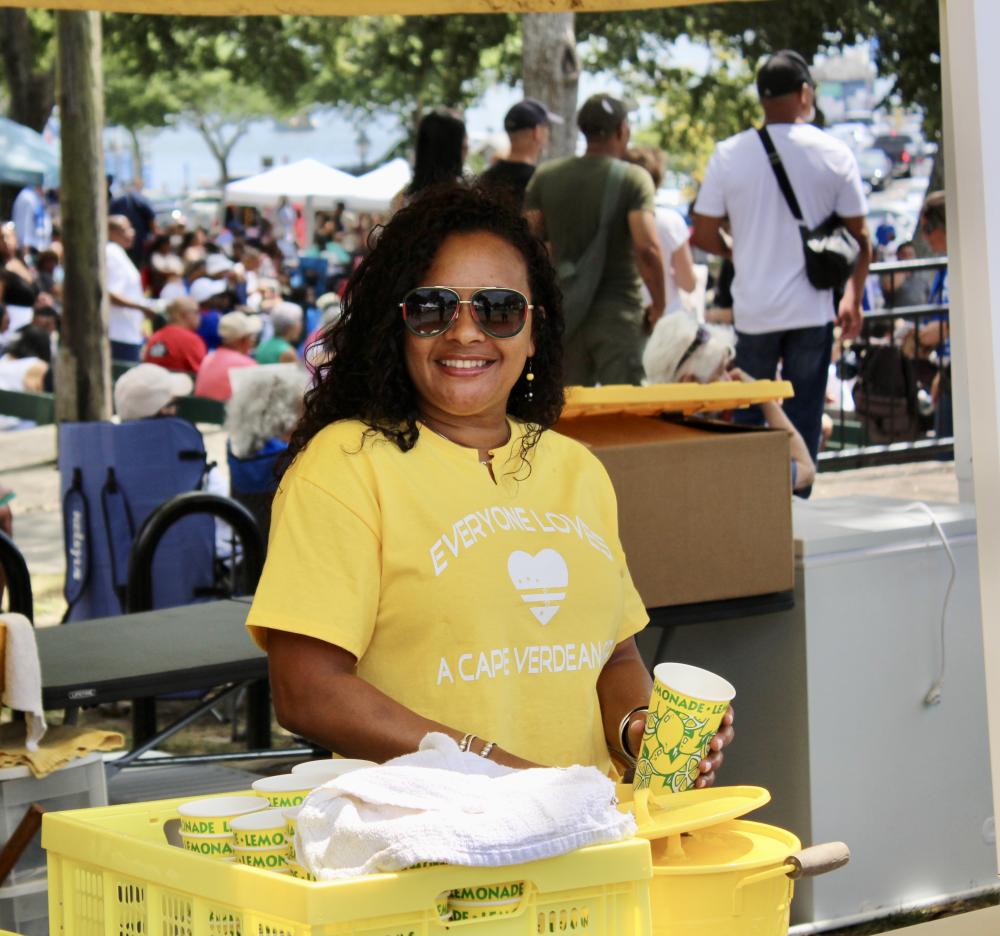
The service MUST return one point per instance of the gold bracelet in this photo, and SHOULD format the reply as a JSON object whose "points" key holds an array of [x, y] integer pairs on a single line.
{"points": [[623, 727], [487, 748]]}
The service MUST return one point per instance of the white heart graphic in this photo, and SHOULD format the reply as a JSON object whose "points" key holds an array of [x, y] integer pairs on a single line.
{"points": [[542, 580]]}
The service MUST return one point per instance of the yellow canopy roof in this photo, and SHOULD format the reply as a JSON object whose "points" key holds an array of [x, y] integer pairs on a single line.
{"points": [[347, 7]]}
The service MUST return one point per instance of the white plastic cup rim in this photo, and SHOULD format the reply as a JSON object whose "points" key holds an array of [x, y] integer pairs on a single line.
{"points": [[330, 767], [284, 783], [220, 807], [262, 850], [259, 821], [694, 681], [291, 814], [198, 835]]}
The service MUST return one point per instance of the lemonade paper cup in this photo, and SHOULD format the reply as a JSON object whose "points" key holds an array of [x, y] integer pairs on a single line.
{"points": [[299, 871], [264, 829], [211, 846], [285, 789], [211, 814], [329, 768], [268, 859], [685, 711], [471, 903]]}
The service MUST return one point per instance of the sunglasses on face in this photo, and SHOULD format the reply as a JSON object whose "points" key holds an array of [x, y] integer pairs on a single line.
{"points": [[429, 311]]}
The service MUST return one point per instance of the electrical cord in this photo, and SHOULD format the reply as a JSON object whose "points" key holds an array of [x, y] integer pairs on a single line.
{"points": [[933, 696]]}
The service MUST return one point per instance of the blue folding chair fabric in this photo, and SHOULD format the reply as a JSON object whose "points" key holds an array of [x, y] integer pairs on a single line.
{"points": [[311, 270], [252, 481], [113, 477]]}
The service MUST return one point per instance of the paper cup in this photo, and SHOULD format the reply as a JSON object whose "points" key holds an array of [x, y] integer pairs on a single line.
{"points": [[268, 859], [285, 789], [685, 711], [472, 903], [211, 846], [291, 816], [264, 829], [299, 871], [211, 815], [329, 768]]}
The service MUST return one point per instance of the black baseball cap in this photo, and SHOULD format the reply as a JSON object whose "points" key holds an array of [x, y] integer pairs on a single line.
{"points": [[527, 114], [602, 114], [783, 73]]}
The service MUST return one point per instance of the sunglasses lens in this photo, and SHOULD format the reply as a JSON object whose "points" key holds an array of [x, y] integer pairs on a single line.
{"points": [[501, 312], [429, 311]]}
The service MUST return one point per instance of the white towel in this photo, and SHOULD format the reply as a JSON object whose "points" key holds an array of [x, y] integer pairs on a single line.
{"points": [[22, 682], [440, 805]]}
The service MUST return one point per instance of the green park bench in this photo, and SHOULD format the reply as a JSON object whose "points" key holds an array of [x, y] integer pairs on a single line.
{"points": [[38, 407], [201, 410]]}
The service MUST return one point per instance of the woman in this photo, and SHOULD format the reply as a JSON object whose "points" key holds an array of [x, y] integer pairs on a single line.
{"points": [[440, 560], [24, 366], [672, 233], [681, 351], [442, 146], [264, 408]]}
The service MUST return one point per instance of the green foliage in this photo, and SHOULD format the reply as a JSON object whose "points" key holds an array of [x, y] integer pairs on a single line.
{"points": [[412, 64], [907, 32]]}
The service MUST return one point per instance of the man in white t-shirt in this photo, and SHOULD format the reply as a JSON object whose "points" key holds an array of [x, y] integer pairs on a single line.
{"points": [[128, 304], [780, 317], [32, 221]]}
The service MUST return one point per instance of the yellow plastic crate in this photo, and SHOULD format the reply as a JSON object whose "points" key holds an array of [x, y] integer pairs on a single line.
{"points": [[111, 873]]}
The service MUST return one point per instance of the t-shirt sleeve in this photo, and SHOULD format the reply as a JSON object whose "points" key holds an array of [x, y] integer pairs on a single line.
{"points": [[673, 231], [711, 200], [639, 192], [117, 282], [532, 195], [851, 201], [322, 576]]}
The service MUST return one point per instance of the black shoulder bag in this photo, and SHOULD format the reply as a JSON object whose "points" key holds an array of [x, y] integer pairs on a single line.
{"points": [[831, 250]]}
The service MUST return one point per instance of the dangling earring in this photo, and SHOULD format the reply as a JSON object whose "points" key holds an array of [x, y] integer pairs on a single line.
{"points": [[529, 394]]}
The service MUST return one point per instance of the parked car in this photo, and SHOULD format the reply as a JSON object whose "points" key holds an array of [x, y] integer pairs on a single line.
{"points": [[903, 149], [856, 135], [876, 168]]}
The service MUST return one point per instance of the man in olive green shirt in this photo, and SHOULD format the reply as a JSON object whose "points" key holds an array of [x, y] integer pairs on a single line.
{"points": [[563, 206]]}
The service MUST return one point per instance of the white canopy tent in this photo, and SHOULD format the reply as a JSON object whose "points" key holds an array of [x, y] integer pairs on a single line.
{"points": [[307, 180], [375, 190]]}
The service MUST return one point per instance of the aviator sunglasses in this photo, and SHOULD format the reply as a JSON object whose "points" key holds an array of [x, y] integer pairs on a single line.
{"points": [[429, 311]]}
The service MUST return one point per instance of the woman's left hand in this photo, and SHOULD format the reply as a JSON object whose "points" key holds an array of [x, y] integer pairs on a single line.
{"points": [[716, 747]]}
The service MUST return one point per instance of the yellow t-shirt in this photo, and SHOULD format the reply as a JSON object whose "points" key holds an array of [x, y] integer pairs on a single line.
{"points": [[489, 607]]}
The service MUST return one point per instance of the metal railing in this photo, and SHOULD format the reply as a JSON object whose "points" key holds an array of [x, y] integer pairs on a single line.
{"points": [[877, 422]]}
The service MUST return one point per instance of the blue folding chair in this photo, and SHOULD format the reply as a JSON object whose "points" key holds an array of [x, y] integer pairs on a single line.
{"points": [[112, 478]]}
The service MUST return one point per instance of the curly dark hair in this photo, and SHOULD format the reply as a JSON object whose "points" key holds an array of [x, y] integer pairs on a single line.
{"points": [[365, 377]]}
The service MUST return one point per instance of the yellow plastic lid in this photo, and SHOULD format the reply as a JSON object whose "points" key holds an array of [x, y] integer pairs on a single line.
{"points": [[684, 398], [676, 813], [737, 844]]}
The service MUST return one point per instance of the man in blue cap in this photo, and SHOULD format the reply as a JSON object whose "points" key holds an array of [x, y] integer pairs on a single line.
{"points": [[527, 124]]}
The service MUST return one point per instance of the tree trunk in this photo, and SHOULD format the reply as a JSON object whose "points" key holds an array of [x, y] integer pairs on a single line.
{"points": [[137, 161], [83, 377], [551, 72], [32, 94]]}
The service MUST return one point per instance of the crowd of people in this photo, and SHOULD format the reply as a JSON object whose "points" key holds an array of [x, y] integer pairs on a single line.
{"points": [[204, 303]]}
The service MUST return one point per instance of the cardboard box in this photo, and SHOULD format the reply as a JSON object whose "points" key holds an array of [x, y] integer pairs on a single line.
{"points": [[704, 507]]}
